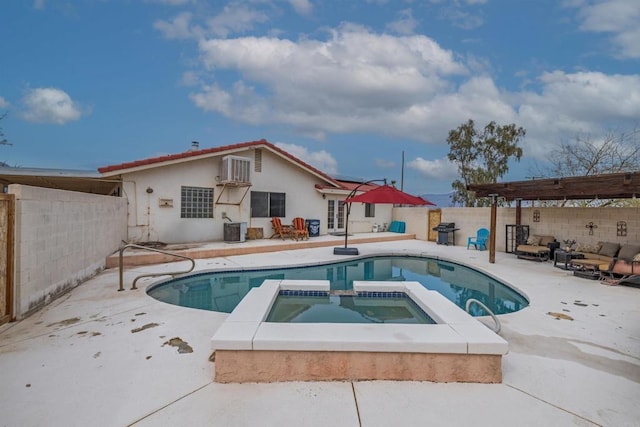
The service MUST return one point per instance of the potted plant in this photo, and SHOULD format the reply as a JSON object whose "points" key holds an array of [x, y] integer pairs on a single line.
{"points": [[568, 244]]}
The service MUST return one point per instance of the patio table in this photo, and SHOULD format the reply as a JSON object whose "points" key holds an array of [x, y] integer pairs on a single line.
{"points": [[560, 256]]}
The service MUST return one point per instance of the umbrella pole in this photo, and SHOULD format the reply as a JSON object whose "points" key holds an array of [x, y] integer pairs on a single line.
{"points": [[346, 225], [346, 250]]}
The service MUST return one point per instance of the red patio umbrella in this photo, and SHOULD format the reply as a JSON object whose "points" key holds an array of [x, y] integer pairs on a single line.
{"points": [[383, 194], [389, 194]]}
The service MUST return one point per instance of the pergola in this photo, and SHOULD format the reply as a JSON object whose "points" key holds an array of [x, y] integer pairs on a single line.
{"points": [[623, 185], [60, 179]]}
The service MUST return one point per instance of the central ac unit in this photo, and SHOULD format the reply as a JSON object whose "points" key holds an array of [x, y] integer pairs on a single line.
{"points": [[235, 169], [235, 232]]}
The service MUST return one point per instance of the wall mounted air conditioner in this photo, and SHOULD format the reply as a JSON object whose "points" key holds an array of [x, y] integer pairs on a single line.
{"points": [[235, 232], [235, 169]]}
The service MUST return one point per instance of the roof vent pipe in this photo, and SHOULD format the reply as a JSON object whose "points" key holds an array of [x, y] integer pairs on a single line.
{"points": [[195, 145]]}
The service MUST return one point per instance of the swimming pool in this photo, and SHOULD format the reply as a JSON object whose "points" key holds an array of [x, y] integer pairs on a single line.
{"points": [[222, 291]]}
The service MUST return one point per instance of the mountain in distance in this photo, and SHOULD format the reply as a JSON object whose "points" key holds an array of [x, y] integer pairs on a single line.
{"points": [[440, 200]]}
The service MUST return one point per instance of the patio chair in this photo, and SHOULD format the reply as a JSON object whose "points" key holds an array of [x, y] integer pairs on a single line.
{"points": [[300, 229], [480, 240], [280, 230]]}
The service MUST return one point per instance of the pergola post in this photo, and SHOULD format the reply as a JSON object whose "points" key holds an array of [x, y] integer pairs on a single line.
{"points": [[518, 211], [492, 234]]}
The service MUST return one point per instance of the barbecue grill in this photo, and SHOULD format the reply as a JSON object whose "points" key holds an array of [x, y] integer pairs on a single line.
{"points": [[446, 229]]}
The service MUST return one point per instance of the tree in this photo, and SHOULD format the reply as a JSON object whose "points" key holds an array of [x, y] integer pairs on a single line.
{"points": [[481, 156], [3, 140], [587, 155], [584, 156]]}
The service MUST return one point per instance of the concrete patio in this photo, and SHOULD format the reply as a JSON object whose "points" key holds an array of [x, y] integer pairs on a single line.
{"points": [[105, 358]]}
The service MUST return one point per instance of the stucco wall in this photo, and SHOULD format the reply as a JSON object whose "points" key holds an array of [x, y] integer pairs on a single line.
{"points": [[358, 223], [416, 220], [62, 238], [562, 223], [149, 221]]}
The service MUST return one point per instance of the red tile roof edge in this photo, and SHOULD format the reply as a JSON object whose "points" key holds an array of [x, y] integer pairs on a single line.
{"points": [[194, 153]]}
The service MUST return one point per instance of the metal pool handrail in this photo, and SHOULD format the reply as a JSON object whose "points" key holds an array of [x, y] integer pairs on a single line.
{"points": [[133, 285], [498, 326]]}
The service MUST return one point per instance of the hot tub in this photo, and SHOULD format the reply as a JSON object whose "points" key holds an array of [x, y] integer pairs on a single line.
{"points": [[457, 348]]}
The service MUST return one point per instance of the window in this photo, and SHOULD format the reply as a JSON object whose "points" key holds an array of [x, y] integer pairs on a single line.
{"points": [[369, 210], [196, 202], [267, 205], [257, 160]]}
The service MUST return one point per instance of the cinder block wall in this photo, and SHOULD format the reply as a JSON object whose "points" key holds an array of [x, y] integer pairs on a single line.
{"points": [[562, 223], [62, 238]]}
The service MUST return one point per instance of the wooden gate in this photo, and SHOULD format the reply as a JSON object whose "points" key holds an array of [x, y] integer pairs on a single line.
{"points": [[435, 217], [7, 209]]}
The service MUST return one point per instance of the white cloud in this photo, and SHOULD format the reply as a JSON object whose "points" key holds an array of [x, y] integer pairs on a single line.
{"points": [[462, 18], [403, 87], [321, 160], [50, 105], [439, 169], [618, 17], [38, 4], [569, 104], [179, 27], [235, 18], [354, 81], [4, 103], [212, 98], [405, 24], [303, 7]]}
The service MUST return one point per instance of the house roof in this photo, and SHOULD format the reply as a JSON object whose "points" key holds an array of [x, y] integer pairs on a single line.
{"points": [[159, 161], [623, 185], [60, 179]]}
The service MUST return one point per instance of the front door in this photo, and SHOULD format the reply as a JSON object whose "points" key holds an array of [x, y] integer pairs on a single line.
{"points": [[435, 217], [335, 215]]}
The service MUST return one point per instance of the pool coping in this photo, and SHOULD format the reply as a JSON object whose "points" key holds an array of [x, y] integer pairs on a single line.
{"points": [[456, 334]]}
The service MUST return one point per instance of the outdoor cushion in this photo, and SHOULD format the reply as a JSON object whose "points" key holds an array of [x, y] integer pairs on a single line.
{"points": [[628, 251], [592, 249], [609, 249], [533, 240], [545, 240], [397, 227], [532, 249]]}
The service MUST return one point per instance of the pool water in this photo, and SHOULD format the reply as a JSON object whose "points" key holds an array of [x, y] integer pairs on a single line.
{"points": [[384, 307], [222, 291]]}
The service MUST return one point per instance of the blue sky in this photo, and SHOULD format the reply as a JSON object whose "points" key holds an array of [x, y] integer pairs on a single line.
{"points": [[345, 85]]}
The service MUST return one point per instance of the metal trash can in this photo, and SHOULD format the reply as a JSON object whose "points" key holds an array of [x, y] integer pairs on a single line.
{"points": [[313, 225]]}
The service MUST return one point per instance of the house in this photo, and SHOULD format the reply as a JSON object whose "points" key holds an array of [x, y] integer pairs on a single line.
{"points": [[190, 196]]}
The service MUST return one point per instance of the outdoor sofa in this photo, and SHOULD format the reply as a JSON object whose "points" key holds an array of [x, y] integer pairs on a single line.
{"points": [[598, 256], [538, 248], [623, 266]]}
